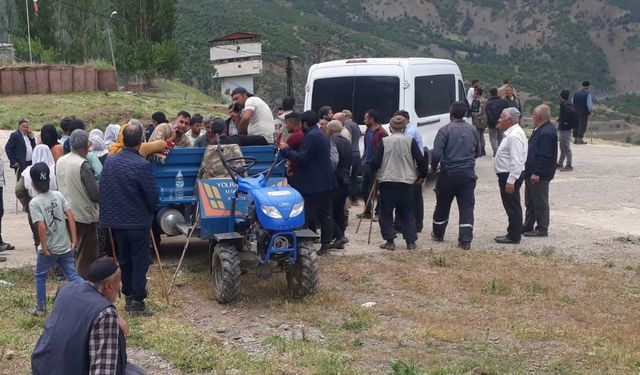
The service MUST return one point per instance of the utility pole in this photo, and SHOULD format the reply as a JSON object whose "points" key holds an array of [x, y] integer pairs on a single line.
{"points": [[113, 59], [26, 7], [289, 70]]}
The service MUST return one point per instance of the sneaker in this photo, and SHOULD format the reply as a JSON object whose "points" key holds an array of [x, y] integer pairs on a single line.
{"points": [[6, 246], [411, 245], [138, 308], [324, 250], [436, 238], [464, 245], [389, 245], [568, 168], [339, 243], [38, 312]]}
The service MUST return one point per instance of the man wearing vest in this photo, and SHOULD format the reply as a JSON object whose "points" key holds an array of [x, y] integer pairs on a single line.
{"points": [[400, 165], [584, 105], [84, 334], [77, 182]]}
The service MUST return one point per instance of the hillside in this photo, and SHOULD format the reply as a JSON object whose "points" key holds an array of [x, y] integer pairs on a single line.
{"points": [[541, 47], [98, 109]]}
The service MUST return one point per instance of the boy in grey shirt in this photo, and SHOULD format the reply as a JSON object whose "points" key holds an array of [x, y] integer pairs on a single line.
{"points": [[48, 211]]}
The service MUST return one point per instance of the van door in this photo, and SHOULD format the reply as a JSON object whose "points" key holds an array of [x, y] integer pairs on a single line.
{"points": [[433, 95]]}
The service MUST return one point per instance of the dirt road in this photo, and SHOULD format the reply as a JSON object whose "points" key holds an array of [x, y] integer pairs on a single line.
{"points": [[590, 207]]}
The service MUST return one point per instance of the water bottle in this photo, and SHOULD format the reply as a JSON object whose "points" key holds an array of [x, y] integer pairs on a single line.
{"points": [[179, 185]]}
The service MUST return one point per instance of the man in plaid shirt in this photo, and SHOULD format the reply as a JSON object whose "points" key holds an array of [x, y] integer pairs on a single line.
{"points": [[84, 334]]}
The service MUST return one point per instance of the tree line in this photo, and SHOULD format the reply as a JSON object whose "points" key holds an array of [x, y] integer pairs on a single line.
{"points": [[76, 31]]}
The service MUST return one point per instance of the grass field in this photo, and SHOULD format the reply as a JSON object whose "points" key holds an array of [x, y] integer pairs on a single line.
{"points": [[448, 312], [98, 109]]}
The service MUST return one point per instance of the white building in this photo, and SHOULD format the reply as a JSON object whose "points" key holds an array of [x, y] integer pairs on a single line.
{"points": [[237, 58]]}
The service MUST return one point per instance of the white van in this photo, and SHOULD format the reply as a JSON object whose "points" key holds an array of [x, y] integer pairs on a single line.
{"points": [[424, 87]]}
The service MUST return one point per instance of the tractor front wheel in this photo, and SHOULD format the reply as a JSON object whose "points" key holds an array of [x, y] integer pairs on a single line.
{"points": [[225, 264], [302, 277]]}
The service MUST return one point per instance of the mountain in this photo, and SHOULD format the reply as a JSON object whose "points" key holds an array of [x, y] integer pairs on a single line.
{"points": [[541, 47]]}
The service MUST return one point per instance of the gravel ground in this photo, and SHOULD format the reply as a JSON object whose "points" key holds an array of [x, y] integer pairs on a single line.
{"points": [[590, 207]]}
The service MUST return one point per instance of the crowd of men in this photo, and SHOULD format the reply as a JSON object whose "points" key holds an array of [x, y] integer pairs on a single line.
{"points": [[87, 194]]}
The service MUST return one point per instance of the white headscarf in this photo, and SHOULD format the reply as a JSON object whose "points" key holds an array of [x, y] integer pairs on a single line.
{"points": [[98, 145], [41, 154], [111, 135]]}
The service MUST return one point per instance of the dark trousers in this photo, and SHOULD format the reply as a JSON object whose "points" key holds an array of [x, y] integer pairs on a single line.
{"points": [[356, 166], [339, 217], [418, 210], [512, 206], [460, 186], [583, 119], [481, 141], [87, 246], [536, 199], [133, 249], [1, 212], [399, 197], [318, 207]]}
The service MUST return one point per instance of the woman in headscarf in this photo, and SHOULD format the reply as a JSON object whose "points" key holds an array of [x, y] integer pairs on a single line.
{"points": [[159, 148], [49, 137], [24, 188], [97, 152], [111, 135]]}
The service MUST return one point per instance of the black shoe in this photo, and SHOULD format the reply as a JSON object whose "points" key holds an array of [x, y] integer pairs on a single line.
{"points": [[568, 168], [364, 215], [464, 245], [526, 229], [436, 238], [138, 308], [6, 246], [505, 239], [558, 166], [324, 250], [339, 243], [3, 259], [536, 233], [389, 245], [411, 245], [127, 303]]}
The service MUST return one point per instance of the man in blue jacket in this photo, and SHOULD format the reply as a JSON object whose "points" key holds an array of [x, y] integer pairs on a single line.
{"points": [[314, 176], [128, 198], [539, 170]]}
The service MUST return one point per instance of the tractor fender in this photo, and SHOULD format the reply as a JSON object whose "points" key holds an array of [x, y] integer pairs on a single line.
{"points": [[305, 234]]}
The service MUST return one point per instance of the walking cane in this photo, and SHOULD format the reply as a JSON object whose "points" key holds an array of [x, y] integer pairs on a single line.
{"points": [[186, 245], [372, 192], [113, 246], [372, 214], [155, 249]]}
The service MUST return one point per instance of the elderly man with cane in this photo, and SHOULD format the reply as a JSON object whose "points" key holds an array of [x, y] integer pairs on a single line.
{"points": [[399, 166], [128, 198]]}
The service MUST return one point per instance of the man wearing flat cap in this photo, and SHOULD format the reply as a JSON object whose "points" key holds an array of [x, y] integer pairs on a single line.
{"points": [[84, 334], [400, 166], [256, 117]]}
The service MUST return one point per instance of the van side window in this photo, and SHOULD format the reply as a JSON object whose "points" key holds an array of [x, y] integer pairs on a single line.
{"points": [[462, 93], [358, 94], [434, 94]]}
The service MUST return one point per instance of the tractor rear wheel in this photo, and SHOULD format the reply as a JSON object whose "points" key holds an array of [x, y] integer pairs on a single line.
{"points": [[225, 265], [302, 277]]}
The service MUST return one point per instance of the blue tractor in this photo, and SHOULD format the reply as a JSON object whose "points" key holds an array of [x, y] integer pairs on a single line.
{"points": [[252, 219]]}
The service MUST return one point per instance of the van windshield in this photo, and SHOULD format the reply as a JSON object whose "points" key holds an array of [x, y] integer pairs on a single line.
{"points": [[358, 94]]}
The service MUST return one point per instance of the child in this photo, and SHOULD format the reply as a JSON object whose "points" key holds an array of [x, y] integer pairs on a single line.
{"points": [[48, 210]]}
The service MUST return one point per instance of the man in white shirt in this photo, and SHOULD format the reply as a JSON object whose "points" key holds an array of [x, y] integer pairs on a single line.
{"points": [[474, 85], [256, 117], [509, 164]]}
